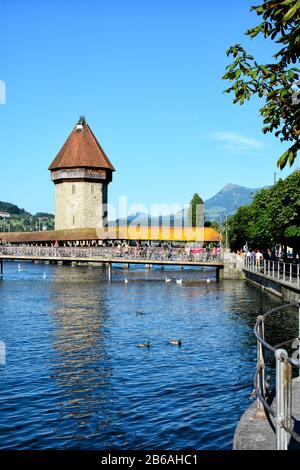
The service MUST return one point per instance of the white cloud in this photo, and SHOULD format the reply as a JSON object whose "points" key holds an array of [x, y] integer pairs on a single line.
{"points": [[235, 141]]}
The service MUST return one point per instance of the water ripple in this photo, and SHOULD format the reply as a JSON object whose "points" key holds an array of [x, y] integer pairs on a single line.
{"points": [[75, 378]]}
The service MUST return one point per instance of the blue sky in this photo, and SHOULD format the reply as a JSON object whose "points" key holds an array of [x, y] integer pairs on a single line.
{"points": [[147, 76]]}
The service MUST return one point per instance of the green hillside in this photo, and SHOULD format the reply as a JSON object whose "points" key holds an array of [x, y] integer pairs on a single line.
{"points": [[23, 221]]}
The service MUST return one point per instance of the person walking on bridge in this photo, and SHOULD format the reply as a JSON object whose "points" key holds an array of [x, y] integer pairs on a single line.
{"points": [[258, 258]]}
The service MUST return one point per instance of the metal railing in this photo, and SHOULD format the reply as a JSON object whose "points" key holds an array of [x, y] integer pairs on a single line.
{"points": [[282, 412], [278, 270], [147, 254]]}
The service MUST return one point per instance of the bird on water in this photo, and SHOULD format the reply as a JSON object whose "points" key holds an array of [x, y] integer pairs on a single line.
{"points": [[144, 345], [175, 342], [179, 281]]}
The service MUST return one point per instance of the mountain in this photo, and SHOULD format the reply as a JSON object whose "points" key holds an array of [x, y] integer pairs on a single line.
{"points": [[227, 200], [138, 218]]}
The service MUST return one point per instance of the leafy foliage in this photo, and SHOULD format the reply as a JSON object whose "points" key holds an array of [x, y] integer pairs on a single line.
{"points": [[11, 208], [273, 217], [276, 82]]}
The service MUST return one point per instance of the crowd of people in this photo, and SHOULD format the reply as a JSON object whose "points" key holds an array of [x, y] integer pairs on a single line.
{"points": [[148, 251], [257, 256]]}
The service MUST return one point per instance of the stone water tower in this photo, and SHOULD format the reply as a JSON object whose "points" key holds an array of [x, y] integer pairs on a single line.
{"points": [[81, 172]]}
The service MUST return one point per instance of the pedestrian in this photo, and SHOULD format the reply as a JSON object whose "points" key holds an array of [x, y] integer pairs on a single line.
{"points": [[258, 258]]}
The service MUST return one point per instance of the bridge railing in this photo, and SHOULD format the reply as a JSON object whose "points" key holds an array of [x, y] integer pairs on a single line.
{"points": [[113, 253], [282, 412], [277, 269]]}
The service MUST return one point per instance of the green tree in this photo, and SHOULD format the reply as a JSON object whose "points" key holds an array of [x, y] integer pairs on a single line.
{"points": [[273, 217], [283, 210], [277, 82], [239, 227], [195, 212]]}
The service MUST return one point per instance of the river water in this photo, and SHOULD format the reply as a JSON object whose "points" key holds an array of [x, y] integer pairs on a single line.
{"points": [[74, 377]]}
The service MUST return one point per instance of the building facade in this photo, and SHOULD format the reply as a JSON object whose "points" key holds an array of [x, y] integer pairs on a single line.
{"points": [[81, 172]]}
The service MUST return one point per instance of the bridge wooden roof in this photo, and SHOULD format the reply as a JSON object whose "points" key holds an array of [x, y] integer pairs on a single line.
{"points": [[81, 150], [186, 234]]}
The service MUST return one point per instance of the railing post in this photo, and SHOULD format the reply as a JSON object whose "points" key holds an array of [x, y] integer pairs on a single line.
{"points": [[109, 271], [273, 268], [298, 278], [265, 266], [283, 274], [283, 398], [261, 383], [278, 269], [291, 273]]}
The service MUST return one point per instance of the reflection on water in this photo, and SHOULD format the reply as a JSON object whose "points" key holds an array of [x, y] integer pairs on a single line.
{"points": [[81, 365], [74, 377]]}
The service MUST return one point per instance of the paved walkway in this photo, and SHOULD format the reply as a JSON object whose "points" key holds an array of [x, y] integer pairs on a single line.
{"points": [[259, 434]]}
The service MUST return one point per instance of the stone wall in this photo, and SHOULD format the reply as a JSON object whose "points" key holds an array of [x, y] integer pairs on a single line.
{"points": [[288, 292], [233, 267], [79, 204]]}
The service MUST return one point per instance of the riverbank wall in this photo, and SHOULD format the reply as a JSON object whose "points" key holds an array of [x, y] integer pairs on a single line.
{"points": [[287, 291]]}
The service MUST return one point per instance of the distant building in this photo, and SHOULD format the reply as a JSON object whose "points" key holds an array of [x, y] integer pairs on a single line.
{"points": [[81, 172], [5, 214]]}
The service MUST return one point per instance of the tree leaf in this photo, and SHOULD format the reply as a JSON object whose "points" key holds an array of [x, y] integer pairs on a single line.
{"points": [[291, 12]]}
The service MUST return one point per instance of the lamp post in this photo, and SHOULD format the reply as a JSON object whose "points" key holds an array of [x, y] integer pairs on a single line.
{"points": [[4, 216], [226, 232], [224, 227]]}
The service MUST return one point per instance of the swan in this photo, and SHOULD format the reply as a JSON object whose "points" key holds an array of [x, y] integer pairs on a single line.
{"points": [[168, 279], [178, 281]]}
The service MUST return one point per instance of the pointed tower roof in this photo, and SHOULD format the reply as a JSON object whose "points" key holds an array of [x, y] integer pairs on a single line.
{"points": [[81, 150]]}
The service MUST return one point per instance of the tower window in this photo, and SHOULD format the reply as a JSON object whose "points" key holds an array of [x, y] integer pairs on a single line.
{"points": [[92, 189], [73, 219], [73, 188]]}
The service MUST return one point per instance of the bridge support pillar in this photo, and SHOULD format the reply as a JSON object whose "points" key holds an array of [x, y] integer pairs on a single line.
{"points": [[218, 274], [1, 267], [233, 267]]}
